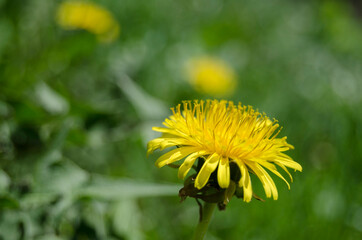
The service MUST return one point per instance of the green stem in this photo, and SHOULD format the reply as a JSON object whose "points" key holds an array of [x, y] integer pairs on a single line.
{"points": [[201, 228]]}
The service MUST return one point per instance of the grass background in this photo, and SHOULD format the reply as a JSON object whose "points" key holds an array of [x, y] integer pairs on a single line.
{"points": [[76, 114]]}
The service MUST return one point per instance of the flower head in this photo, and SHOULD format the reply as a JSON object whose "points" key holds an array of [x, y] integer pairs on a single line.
{"points": [[211, 76], [90, 17], [224, 136]]}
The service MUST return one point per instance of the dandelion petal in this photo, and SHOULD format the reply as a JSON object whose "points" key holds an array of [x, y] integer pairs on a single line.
{"points": [[174, 156], [187, 164], [223, 173], [207, 168]]}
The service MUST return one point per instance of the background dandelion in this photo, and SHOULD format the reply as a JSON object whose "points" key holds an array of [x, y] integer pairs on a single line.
{"points": [[211, 76], [88, 16], [76, 115]]}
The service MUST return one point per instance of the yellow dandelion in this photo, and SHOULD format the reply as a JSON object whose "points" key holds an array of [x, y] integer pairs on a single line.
{"points": [[88, 16], [211, 76], [224, 135]]}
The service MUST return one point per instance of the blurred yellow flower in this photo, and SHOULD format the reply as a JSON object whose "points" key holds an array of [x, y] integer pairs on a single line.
{"points": [[211, 76], [224, 136], [90, 17]]}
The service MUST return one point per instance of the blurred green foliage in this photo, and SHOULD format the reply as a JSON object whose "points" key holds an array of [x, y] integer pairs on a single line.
{"points": [[76, 114]]}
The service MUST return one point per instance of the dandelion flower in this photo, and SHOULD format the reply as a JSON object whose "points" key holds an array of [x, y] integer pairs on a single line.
{"points": [[224, 136], [88, 16], [211, 76]]}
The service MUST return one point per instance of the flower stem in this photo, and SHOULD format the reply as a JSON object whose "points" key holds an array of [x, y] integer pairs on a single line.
{"points": [[201, 228]]}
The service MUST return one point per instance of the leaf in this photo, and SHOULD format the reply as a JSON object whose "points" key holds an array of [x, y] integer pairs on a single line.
{"points": [[9, 226], [4, 181], [6, 30], [53, 154], [146, 105], [8, 202], [35, 200], [61, 177], [95, 215], [50, 237], [50, 100], [126, 220], [115, 189]]}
